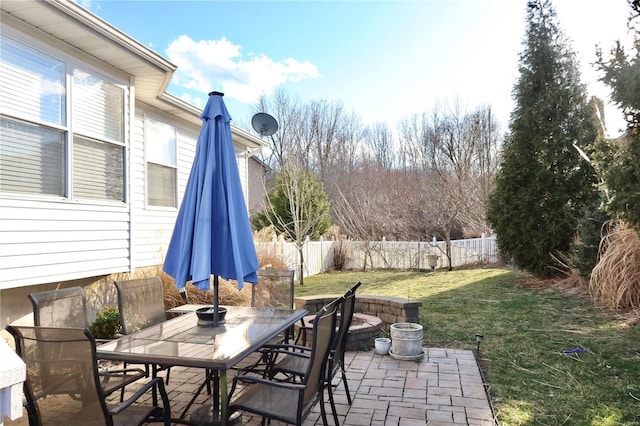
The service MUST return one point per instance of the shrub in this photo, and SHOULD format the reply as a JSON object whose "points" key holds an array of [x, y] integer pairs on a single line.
{"points": [[107, 323]]}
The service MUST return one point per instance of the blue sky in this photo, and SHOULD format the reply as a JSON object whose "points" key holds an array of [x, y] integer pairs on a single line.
{"points": [[384, 60]]}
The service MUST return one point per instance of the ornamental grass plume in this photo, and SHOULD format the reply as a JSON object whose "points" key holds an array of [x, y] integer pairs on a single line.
{"points": [[615, 280], [227, 291], [228, 294]]}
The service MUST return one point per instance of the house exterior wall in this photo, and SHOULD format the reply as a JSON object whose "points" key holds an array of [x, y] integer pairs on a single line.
{"points": [[50, 239], [51, 242], [257, 176], [152, 226], [242, 157]]}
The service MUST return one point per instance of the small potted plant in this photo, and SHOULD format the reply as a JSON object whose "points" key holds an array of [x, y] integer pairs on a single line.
{"points": [[382, 344], [107, 324]]}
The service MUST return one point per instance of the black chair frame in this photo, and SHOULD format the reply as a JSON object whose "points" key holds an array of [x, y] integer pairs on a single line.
{"points": [[67, 308], [87, 388], [310, 390]]}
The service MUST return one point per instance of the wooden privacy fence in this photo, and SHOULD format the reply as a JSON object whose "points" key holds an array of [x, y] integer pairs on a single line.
{"points": [[320, 256]]}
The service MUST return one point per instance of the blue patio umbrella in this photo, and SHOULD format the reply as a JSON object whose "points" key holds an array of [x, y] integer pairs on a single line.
{"points": [[212, 234]]}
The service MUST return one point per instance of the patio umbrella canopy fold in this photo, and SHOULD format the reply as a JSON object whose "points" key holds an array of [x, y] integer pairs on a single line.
{"points": [[212, 234]]}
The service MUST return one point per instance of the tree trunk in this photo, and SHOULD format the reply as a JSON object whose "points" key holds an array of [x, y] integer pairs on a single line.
{"points": [[300, 250]]}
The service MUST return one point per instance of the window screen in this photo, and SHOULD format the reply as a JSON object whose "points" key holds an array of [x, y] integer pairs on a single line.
{"points": [[32, 158], [160, 145], [98, 170]]}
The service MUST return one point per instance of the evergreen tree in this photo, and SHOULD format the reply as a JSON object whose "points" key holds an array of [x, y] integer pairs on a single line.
{"points": [[543, 183], [619, 160], [592, 225], [297, 207]]}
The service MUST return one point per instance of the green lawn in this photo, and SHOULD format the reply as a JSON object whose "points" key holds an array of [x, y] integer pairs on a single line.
{"points": [[525, 332]]}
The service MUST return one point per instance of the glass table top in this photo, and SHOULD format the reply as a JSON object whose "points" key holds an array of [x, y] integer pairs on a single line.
{"points": [[181, 341]]}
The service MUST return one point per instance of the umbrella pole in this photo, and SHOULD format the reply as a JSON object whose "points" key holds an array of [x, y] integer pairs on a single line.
{"points": [[215, 301], [183, 294]]}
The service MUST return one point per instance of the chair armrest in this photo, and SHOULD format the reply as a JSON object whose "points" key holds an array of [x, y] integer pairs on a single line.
{"points": [[302, 333], [118, 371], [291, 353], [254, 379], [289, 348], [158, 382]]}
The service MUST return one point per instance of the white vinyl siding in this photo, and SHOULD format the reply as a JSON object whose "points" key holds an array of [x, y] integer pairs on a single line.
{"points": [[152, 226], [47, 241], [62, 173], [242, 158]]}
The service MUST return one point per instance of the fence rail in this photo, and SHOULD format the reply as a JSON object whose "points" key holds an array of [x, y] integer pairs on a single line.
{"points": [[320, 256]]}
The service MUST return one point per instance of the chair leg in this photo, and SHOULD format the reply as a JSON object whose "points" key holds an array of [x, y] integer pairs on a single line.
{"points": [[332, 403], [346, 385], [154, 391], [207, 382], [323, 411]]}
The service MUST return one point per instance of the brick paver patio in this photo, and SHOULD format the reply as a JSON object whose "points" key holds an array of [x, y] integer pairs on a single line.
{"points": [[444, 388]]}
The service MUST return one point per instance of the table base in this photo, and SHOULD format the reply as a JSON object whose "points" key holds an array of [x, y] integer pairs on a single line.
{"points": [[205, 416]]}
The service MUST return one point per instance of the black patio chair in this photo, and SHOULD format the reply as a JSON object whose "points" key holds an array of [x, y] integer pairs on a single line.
{"points": [[290, 402], [60, 308], [67, 308], [294, 366], [277, 292], [141, 304], [275, 289], [62, 386]]}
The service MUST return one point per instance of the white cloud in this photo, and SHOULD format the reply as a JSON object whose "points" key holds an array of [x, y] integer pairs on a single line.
{"points": [[193, 100], [208, 65]]}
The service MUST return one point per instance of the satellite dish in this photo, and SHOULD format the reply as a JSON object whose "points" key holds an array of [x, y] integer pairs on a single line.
{"points": [[264, 124]]}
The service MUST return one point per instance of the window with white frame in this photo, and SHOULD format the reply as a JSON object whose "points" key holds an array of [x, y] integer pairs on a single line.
{"points": [[61, 127], [160, 146]]}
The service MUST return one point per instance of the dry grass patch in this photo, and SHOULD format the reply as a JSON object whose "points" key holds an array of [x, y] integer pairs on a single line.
{"points": [[228, 292], [615, 280]]}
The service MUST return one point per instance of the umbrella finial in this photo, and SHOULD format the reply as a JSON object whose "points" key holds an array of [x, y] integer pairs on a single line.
{"points": [[216, 93]]}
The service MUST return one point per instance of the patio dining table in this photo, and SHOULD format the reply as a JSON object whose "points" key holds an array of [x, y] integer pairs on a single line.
{"points": [[180, 341]]}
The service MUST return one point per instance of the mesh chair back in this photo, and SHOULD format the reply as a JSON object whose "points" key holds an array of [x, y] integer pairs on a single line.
{"points": [[62, 385], [324, 329], [60, 308], [141, 303], [275, 289], [344, 322]]}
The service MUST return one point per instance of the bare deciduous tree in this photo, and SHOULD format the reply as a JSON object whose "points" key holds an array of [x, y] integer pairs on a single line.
{"points": [[433, 178], [455, 152], [289, 141], [380, 144]]}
